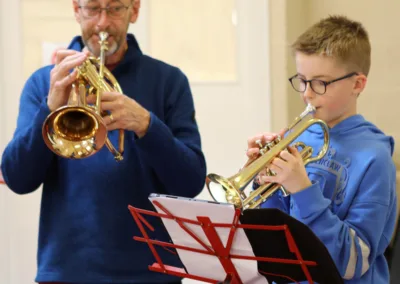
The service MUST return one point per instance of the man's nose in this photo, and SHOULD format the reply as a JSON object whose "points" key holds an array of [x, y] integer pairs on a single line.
{"points": [[104, 20]]}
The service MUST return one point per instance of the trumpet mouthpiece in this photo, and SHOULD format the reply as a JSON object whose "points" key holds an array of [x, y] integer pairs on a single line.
{"points": [[309, 109], [103, 36]]}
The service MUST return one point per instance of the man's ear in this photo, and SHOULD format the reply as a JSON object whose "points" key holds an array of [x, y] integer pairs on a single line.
{"points": [[135, 11], [75, 5], [360, 83]]}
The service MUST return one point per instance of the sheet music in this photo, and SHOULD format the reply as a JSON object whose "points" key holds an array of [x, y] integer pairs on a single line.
{"points": [[201, 264]]}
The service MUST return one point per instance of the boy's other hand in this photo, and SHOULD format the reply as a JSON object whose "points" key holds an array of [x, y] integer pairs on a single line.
{"points": [[289, 171]]}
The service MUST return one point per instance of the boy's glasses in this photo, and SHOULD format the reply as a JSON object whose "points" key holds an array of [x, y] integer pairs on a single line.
{"points": [[318, 86], [115, 11]]}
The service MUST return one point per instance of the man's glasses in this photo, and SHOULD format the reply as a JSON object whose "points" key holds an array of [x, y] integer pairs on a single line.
{"points": [[318, 86], [113, 11]]}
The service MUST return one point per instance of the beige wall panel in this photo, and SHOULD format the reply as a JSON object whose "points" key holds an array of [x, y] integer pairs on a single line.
{"points": [[45, 21], [379, 102], [202, 40]]}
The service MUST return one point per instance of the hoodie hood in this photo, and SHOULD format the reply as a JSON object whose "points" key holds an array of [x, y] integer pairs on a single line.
{"points": [[355, 127]]}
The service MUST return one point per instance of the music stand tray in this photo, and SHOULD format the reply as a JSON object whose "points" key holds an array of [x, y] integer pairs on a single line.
{"points": [[254, 246]]}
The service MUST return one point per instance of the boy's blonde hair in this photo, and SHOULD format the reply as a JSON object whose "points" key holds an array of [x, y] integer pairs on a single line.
{"points": [[340, 38]]}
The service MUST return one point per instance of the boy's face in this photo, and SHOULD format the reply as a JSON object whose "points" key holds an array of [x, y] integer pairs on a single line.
{"points": [[339, 100]]}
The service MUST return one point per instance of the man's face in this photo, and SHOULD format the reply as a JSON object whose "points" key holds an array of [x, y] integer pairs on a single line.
{"points": [[115, 23]]}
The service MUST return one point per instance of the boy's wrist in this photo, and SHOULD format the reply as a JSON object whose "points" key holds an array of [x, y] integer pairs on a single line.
{"points": [[299, 186]]}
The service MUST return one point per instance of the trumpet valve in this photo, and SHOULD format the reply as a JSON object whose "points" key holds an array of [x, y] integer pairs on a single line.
{"points": [[262, 150], [258, 142]]}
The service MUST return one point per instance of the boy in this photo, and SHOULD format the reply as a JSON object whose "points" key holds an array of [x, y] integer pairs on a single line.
{"points": [[348, 198]]}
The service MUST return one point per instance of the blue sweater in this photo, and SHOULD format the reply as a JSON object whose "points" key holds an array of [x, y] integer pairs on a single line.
{"points": [[86, 229], [351, 205]]}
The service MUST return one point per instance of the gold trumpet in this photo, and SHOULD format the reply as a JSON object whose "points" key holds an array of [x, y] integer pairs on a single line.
{"points": [[231, 189], [77, 130]]}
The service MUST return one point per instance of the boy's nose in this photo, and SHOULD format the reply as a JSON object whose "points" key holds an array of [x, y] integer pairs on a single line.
{"points": [[309, 94]]}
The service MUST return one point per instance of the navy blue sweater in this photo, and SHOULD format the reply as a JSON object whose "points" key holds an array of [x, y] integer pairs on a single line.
{"points": [[86, 229]]}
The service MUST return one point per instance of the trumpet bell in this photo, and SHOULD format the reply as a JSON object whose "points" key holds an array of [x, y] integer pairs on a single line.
{"points": [[74, 132], [222, 190]]}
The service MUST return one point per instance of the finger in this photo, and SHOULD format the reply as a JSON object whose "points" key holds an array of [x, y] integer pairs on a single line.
{"points": [[55, 72], [286, 156], [294, 152], [110, 96], [106, 104], [268, 137], [66, 81], [268, 179], [110, 106], [261, 174], [253, 153], [282, 132], [113, 125], [251, 142], [63, 53], [277, 165], [87, 51], [264, 137], [91, 99], [110, 118], [106, 96], [71, 62]]}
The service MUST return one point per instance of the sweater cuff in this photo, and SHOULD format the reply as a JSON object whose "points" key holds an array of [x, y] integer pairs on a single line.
{"points": [[309, 201]]}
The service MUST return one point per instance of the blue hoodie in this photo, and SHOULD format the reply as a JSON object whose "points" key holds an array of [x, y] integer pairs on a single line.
{"points": [[86, 229], [351, 204]]}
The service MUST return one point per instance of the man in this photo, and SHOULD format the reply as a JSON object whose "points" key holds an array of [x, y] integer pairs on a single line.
{"points": [[86, 230]]}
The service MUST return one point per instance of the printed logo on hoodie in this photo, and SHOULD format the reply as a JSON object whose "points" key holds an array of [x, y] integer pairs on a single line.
{"points": [[331, 170]]}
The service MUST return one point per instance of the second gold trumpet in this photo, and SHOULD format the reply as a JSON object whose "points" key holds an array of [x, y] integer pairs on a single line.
{"points": [[231, 189]]}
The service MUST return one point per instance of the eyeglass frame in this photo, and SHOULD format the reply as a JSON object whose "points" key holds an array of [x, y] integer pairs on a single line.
{"points": [[107, 9], [325, 83]]}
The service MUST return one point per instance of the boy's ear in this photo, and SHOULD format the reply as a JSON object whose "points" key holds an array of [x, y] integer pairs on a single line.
{"points": [[359, 84]]}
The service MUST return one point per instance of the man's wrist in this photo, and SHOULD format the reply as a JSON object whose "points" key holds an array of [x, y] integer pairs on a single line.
{"points": [[144, 125]]}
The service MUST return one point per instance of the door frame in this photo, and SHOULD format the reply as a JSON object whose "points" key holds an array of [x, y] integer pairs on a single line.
{"points": [[10, 89]]}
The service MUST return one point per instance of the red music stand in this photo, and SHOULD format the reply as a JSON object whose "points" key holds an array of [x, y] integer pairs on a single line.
{"points": [[217, 249]]}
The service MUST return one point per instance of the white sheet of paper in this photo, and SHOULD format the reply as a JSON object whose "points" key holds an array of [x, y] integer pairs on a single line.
{"points": [[198, 263]]}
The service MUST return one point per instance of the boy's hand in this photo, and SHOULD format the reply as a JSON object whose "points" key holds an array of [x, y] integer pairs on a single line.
{"points": [[253, 144], [289, 171]]}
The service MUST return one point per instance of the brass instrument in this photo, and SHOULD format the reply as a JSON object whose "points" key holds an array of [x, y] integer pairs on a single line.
{"points": [[77, 130], [231, 189]]}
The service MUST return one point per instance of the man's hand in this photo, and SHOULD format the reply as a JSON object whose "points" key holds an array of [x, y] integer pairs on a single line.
{"points": [[61, 77], [126, 113]]}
